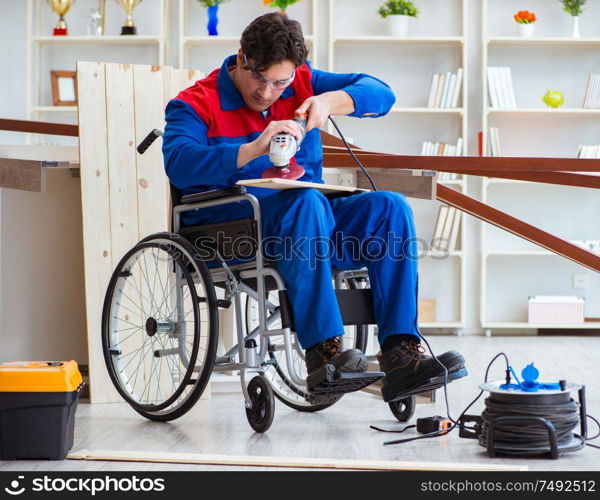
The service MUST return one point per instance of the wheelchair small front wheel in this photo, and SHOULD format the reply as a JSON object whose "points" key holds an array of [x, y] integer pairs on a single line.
{"points": [[403, 409], [260, 415]]}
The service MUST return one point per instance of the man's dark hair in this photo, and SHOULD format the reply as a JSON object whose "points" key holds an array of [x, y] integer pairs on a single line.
{"points": [[271, 39]]}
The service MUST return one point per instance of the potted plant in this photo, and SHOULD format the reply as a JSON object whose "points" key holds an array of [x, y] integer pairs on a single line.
{"points": [[212, 7], [280, 4], [575, 8], [398, 13], [525, 22]]}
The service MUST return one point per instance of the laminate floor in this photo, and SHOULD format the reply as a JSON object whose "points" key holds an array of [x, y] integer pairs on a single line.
{"points": [[218, 425]]}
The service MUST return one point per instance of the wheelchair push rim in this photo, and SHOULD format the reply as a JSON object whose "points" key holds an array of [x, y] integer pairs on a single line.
{"points": [[156, 329]]}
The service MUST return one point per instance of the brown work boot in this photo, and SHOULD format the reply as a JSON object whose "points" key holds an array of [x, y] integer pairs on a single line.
{"points": [[330, 351], [408, 368]]}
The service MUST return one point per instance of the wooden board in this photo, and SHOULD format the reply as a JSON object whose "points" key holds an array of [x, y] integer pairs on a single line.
{"points": [[95, 199], [125, 195], [26, 175], [289, 184], [408, 182], [64, 156], [288, 462]]}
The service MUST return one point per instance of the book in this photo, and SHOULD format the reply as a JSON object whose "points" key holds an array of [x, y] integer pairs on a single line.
{"points": [[511, 100], [491, 81], [440, 88], [445, 239], [454, 231], [450, 93], [439, 227], [457, 88], [447, 78], [433, 90]]}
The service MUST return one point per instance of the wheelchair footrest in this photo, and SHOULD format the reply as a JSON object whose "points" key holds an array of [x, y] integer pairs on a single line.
{"points": [[428, 385], [327, 385]]}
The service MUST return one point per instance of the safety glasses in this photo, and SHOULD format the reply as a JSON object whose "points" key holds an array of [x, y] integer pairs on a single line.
{"points": [[264, 80]]}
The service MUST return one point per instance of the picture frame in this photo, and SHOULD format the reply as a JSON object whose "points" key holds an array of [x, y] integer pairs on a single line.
{"points": [[64, 88]]}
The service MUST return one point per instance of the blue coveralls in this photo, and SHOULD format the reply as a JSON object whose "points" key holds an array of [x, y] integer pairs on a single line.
{"points": [[306, 233]]}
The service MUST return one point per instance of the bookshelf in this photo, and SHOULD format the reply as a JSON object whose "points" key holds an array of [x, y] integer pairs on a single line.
{"points": [[199, 51], [46, 52], [357, 43], [512, 269]]}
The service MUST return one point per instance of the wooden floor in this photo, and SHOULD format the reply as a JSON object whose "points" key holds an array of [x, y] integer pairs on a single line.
{"points": [[218, 425]]}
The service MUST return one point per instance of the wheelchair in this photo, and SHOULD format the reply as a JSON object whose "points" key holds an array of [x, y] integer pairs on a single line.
{"points": [[160, 320]]}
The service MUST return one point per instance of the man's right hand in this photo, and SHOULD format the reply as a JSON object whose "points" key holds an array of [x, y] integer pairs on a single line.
{"points": [[260, 146]]}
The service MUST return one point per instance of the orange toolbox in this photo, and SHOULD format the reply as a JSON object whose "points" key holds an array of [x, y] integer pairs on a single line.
{"points": [[38, 400]]}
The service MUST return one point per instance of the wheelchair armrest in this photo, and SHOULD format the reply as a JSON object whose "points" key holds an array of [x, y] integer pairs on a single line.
{"points": [[212, 194]]}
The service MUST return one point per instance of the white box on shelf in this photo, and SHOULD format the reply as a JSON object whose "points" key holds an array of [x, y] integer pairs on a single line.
{"points": [[556, 309]]}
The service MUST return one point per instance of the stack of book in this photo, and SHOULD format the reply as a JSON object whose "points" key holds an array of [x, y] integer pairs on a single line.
{"points": [[500, 87], [442, 149], [492, 146], [429, 148], [445, 89], [588, 152], [592, 92], [445, 234]]}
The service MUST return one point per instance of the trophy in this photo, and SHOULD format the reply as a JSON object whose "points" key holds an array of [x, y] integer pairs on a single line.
{"points": [[60, 7], [128, 5]]}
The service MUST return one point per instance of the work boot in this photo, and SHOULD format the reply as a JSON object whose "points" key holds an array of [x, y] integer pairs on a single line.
{"points": [[407, 369], [330, 351]]}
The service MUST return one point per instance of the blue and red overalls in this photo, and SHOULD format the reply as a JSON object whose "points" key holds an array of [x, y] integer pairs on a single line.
{"points": [[205, 126]]}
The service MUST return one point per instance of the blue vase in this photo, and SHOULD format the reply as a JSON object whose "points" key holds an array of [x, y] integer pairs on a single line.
{"points": [[213, 20]]}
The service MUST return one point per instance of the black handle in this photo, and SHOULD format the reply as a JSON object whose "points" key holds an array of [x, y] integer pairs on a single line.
{"points": [[148, 140]]}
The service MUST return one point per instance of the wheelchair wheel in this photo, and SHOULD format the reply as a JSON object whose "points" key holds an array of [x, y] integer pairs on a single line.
{"points": [[160, 327], [403, 409], [285, 389], [260, 416]]}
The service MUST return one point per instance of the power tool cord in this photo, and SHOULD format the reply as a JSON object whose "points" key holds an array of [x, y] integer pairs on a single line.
{"points": [[352, 153]]}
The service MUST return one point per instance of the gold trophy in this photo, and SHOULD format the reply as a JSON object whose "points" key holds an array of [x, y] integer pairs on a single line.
{"points": [[60, 7], [128, 5]]}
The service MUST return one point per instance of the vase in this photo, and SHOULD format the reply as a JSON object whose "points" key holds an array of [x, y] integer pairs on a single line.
{"points": [[398, 25], [576, 33], [525, 30], [213, 20]]}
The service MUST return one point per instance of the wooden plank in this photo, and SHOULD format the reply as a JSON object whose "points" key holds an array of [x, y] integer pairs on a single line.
{"points": [[464, 164], [121, 159], [152, 183], [399, 181], [36, 127], [25, 175], [95, 199], [289, 184], [519, 228], [59, 154], [287, 462]]}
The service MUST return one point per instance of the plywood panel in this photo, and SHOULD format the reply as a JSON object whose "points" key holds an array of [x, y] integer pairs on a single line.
{"points": [[121, 158], [152, 183], [95, 200]]}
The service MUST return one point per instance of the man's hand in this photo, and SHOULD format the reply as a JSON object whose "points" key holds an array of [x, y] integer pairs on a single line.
{"points": [[319, 107], [260, 146], [318, 110]]}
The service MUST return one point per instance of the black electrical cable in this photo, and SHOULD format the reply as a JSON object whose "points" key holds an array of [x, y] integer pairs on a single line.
{"points": [[352, 153], [455, 423], [528, 439]]}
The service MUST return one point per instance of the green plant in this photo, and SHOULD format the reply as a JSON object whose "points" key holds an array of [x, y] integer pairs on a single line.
{"points": [[398, 8], [211, 3], [573, 7], [280, 4]]}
